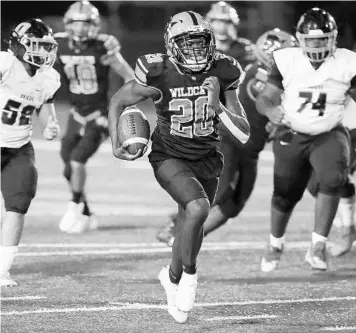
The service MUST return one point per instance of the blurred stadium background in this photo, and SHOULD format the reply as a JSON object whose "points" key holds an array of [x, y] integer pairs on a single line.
{"points": [[105, 281], [139, 25]]}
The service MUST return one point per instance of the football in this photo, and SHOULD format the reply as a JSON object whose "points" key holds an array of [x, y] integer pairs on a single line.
{"points": [[133, 130]]}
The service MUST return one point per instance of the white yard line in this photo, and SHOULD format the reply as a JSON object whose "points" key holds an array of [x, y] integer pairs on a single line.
{"points": [[240, 245], [149, 250], [22, 298], [339, 328], [143, 306], [264, 316]]}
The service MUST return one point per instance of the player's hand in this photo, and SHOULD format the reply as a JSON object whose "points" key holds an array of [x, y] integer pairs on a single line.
{"points": [[52, 130], [276, 115], [212, 86], [112, 46], [123, 154]]}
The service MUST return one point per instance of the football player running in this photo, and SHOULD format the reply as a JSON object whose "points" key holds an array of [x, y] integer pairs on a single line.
{"points": [[225, 21], [84, 59], [185, 85], [306, 91], [28, 84]]}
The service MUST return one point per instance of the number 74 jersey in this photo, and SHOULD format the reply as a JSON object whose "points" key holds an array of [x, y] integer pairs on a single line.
{"points": [[186, 128], [20, 96], [314, 100]]}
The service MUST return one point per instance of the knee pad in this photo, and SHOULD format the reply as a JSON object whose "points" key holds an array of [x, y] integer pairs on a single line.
{"points": [[67, 172], [332, 181], [19, 203], [348, 190]]}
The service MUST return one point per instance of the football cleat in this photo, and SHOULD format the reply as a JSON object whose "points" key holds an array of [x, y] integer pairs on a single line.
{"points": [[167, 233], [84, 223], [7, 281], [171, 292], [344, 242], [186, 292], [316, 256], [270, 261], [71, 216]]}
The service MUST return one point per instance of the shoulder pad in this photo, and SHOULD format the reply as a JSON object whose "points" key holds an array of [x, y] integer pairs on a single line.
{"points": [[60, 35], [148, 65]]}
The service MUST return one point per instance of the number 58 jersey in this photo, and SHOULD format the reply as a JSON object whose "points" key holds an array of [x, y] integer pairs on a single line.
{"points": [[314, 100], [20, 96], [186, 128]]}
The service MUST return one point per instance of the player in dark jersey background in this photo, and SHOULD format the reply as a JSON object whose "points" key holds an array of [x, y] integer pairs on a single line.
{"points": [[85, 58], [238, 178], [185, 84]]}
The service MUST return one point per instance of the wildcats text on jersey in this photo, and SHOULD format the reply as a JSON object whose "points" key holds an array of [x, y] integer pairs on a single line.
{"points": [[187, 91]]}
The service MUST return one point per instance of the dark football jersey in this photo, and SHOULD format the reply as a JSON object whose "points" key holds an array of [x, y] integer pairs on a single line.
{"points": [[86, 78], [186, 128]]}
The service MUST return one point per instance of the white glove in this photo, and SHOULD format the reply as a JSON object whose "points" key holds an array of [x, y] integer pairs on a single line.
{"points": [[51, 131]]}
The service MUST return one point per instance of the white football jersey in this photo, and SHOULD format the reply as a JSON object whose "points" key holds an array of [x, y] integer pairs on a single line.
{"points": [[349, 119], [20, 96], [314, 100]]}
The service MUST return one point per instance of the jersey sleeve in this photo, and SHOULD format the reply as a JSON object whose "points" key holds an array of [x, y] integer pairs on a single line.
{"points": [[55, 82], [231, 72], [148, 69]]}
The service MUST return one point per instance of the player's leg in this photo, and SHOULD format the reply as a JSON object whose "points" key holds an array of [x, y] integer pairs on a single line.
{"points": [[68, 142], [18, 187], [330, 160], [224, 202], [291, 175], [346, 210], [183, 186], [230, 203]]}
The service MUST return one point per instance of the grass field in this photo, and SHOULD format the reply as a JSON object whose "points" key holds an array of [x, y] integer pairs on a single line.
{"points": [[106, 280]]}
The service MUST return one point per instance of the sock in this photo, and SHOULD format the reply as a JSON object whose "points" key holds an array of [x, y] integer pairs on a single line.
{"points": [[76, 196], [175, 278], [86, 210], [276, 242], [318, 238], [7, 255], [346, 211], [190, 269]]}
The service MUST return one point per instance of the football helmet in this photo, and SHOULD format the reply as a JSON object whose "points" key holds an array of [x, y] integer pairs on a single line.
{"points": [[224, 20], [33, 42], [270, 41], [190, 41], [82, 21], [317, 25]]}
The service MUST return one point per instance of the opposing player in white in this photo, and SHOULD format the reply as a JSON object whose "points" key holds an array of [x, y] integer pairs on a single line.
{"points": [[307, 92], [28, 84]]}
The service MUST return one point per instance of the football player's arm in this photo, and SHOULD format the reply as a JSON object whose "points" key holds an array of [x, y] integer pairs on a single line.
{"points": [[115, 60], [129, 94], [48, 118], [233, 115], [121, 67], [268, 101]]}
